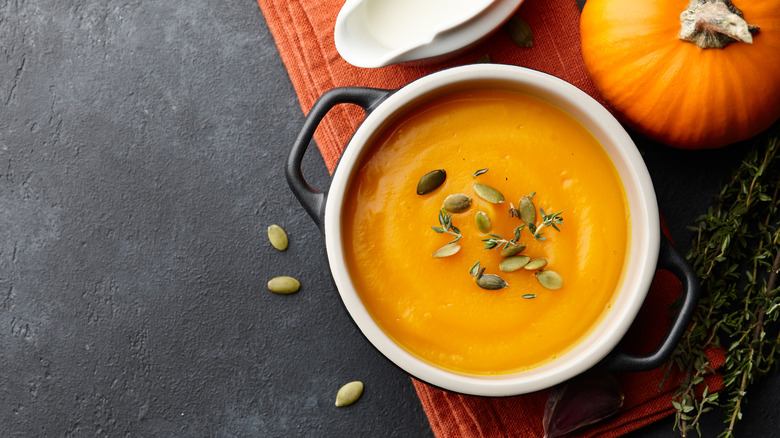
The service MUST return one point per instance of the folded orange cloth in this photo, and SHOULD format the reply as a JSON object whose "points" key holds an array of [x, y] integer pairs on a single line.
{"points": [[303, 32]]}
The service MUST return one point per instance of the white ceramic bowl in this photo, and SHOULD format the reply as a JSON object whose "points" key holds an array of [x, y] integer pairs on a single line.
{"points": [[645, 241], [368, 34]]}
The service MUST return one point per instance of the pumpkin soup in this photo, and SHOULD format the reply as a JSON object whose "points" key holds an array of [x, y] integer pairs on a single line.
{"points": [[422, 271]]}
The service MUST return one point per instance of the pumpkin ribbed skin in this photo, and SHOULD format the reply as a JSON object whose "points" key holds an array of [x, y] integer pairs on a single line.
{"points": [[671, 90]]}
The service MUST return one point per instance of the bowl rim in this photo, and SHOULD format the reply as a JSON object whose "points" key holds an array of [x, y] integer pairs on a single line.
{"points": [[640, 194]]}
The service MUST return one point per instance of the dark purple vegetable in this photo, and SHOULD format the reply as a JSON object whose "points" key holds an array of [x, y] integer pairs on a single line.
{"points": [[584, 400]]}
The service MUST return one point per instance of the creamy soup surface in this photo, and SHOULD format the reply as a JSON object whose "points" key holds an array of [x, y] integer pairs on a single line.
{"points": [[432, 306]]}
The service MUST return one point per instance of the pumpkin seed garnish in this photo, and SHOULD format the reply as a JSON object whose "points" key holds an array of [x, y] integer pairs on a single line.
{"points": [[283, 285], [491, 282], [511, 264], [537, 263], [479, 172], [349, 393], [527, 210], [431, 181], [457, 203], [549, 279], [483, 222], [520, 31], [447, 250], [512, 250], [488, 193]]}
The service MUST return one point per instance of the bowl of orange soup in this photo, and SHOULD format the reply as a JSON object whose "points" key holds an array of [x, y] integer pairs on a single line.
{"points": [[492, 230]]}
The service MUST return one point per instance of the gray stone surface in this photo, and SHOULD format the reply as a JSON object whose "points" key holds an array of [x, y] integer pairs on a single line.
{"points": [[141, 159]]}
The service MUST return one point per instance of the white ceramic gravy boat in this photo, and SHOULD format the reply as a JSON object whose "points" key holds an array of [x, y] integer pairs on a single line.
{"points": [[377, 33]]}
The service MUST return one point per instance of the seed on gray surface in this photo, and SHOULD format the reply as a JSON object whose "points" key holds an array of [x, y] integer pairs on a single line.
{"points": [[349, 393], [283, 285], [278, 237]]}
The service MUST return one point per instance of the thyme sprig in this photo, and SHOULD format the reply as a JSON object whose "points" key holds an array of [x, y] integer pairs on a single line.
{"points": [[445, 220], [736, 254], [495, 241], [548, 220]]}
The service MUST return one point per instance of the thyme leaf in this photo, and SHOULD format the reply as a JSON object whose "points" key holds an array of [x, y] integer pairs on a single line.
{"points": [[445, 220], [495, 241], [474, 270]]}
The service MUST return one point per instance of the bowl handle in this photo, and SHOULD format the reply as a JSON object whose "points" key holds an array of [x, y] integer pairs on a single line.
{"points": [[670, 259], [313, 201]]}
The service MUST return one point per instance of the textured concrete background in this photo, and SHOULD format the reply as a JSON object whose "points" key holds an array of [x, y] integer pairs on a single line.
{"points": [[141, 153]]}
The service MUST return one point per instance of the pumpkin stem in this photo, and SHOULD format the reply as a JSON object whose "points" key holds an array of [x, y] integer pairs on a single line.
{"points": [[714, 24]]}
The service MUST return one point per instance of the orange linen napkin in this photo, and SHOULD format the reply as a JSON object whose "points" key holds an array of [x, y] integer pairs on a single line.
{"points": [[303, 31]]}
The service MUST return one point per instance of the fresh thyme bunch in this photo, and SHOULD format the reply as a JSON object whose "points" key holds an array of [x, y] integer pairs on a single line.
{"points": [[736, 254]]}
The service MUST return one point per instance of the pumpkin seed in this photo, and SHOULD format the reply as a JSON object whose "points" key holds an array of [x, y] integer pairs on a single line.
{"points": [[283, 285], [514, 263], [483, 222], [550, 279], [535, 264], [457, 203], [349, 393], [488, 193], [278, 237], [527, 210], [431, 181], [520, 31], [479, 172], [447, 250], [512, 250], [491, 282]]}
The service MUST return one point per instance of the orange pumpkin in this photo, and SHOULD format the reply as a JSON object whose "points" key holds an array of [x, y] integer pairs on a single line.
{"points": [[708, 92]]}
